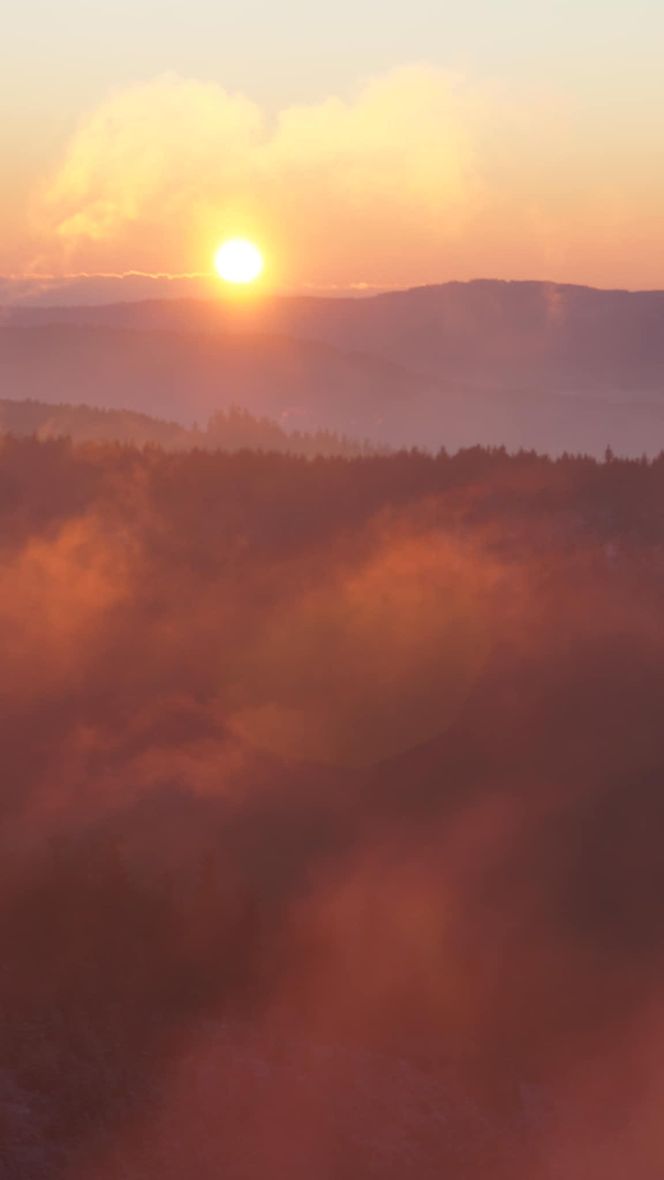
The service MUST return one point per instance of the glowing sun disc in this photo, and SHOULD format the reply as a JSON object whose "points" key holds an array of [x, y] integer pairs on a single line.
{"points": [[238, 261]]}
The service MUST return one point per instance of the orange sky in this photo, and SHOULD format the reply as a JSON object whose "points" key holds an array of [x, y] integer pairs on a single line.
{"points": [[416, 175]]}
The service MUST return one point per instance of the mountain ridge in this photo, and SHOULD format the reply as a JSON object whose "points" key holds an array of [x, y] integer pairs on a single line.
{"points": [[523, 364]]}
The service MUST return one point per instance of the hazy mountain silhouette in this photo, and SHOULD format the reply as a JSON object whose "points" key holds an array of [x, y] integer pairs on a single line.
{"points": [[227, 430], [489, 332], [187, 376], [521, 364]]}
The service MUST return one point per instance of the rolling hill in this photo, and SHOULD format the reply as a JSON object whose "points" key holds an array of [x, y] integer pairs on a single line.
{"points": [[518, 364]]}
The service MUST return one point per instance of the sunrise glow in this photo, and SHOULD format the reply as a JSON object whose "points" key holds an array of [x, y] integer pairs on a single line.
{"points": [[238, 261]]}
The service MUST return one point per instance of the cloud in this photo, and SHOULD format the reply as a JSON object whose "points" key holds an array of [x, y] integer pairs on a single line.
{"points": [[396, 639], [56, 594], [158, 172], [416, 176]]}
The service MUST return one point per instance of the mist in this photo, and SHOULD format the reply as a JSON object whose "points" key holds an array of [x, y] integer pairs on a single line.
{"points": [[331, 814]]}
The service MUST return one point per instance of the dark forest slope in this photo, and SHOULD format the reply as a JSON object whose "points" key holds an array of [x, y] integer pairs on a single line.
{"points": [[331, 815]]}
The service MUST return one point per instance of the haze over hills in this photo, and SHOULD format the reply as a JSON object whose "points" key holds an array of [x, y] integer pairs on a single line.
{"points": [[227, 430], [487, 333], [189, 376], [333, 800], [331, 591], [509, 363]]}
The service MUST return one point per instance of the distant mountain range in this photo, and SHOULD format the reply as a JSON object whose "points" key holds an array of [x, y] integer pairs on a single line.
{"points": [[515, 363]]}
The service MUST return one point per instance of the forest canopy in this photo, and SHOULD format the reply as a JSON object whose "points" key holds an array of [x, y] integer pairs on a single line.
{"points": [[335, 782]]}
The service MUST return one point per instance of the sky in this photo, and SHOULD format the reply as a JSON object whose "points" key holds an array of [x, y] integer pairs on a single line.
{"points": [[362, 144]]}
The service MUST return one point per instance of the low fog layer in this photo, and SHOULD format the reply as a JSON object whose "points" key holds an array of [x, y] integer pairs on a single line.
{"points": [[332, 814]]}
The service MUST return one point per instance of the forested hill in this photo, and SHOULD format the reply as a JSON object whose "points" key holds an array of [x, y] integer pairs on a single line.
{"points": [[332, 797], [227, 430]]}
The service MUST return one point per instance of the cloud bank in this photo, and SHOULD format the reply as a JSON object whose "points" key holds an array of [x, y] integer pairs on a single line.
{"points": [[418, 176], [336, 190]]}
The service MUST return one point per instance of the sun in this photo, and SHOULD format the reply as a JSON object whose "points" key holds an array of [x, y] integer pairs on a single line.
{"points": [[238, 261]]}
